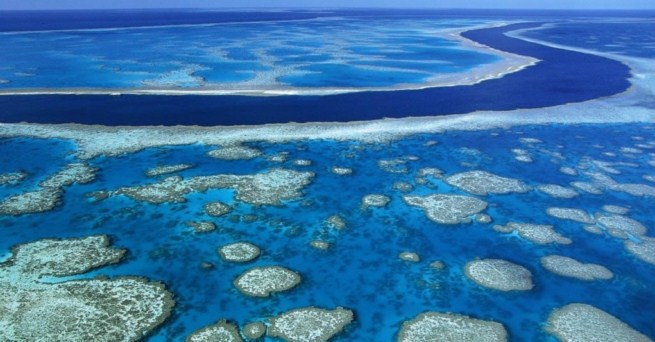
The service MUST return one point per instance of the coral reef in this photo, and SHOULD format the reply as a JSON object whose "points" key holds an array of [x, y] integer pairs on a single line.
{"points": [[309, 324], [569, 267], [448, 209], [499, 274], [437, 326], [263, 281], [582, 322]]}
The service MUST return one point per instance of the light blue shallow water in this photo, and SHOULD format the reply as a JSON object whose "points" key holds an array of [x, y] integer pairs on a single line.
{"points": [[362, 270], [257, 55]]}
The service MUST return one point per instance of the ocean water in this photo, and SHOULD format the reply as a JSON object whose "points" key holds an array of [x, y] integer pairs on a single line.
{"points": [[633, 38], [361, 270], [256, 55]]}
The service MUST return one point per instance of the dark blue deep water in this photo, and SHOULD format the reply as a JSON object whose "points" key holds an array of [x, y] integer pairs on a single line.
{"points": [[362, 270]]}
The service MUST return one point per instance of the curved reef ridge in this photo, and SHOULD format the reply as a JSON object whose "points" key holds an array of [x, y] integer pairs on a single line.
{"points": [[561, 77]]}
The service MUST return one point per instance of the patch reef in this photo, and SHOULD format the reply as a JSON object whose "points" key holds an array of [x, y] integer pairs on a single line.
{"points": [[582, 322], [483, 183], [118, 309], [537, 233], [264, 281], [569, 267], [268, 188], [309, 324], [499, 274], [239, 252], [222, 331], [437, 326], [49, 193], [448, 209]]}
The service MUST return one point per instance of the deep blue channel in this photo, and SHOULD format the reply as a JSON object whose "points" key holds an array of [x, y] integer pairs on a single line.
{"points": [[560, 77]]}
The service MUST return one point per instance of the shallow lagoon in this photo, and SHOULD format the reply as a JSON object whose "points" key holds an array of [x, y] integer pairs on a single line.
{"points": [[361, 270]]}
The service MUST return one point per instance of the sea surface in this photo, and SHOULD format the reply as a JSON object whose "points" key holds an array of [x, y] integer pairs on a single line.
{"points": [[361, 270]]}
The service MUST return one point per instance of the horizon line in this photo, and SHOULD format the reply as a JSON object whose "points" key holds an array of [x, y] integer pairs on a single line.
{"points": [[233, 8]]}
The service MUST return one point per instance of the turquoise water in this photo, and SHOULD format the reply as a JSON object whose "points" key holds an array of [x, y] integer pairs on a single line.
{"points": [[362, 270], [324, 52]]}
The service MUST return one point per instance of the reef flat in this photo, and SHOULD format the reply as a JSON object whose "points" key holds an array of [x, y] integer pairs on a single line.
{"points": [[569, 267], [310, 324], [583, 322], [118, 309], [450, 327], [271, 187], [499, 275]]}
